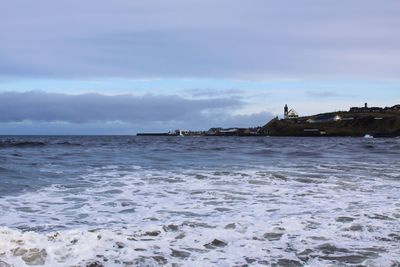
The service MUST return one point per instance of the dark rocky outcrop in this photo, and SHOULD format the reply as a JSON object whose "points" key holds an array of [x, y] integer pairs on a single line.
{"points": [[381, 124], [95, 264], [179, 253], [216, 243]]}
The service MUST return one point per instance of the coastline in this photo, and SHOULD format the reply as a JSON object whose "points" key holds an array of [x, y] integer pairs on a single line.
{"points": [[357, 122]]}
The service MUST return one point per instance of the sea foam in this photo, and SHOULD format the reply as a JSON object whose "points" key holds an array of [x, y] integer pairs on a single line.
{"points": [[306, 215]]}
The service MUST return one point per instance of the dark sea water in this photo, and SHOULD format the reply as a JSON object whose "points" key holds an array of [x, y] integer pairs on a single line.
{"points": [[199, 201]]}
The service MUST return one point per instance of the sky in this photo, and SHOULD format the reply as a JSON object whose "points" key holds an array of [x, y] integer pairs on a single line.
{"points": [[123, 66]]}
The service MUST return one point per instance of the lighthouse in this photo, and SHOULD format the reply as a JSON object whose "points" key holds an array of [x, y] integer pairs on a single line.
{"points": [[286, 112], [290, 114]]}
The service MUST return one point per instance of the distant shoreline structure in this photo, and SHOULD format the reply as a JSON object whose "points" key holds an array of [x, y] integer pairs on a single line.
{"points": [[357, 122], [211, 132]]}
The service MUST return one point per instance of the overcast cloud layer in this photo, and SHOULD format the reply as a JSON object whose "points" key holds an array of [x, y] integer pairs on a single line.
{"points": [[225, 39], [140, 112], [51, 107], [200, 63]]}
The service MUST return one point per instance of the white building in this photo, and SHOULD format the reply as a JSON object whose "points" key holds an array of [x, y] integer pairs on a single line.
{"points": [[290, 114]]}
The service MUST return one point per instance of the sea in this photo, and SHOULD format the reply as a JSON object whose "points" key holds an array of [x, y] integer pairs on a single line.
{"points": [[199, 201]]}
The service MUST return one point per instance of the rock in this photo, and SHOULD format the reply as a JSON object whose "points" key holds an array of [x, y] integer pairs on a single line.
{"points": [[230, 226], [273, 236], [215, 243], [160, 260], [179, 253], [304, 255], [35, 256], [132, 210], [380, 217], [356, 227], [120, 245], [102, 257], [170, 227], [289, 263], [344, 219], [4, 264], [94, 264], [19, 251], [351, 259], [331, 249], [152, 233], [126, 204], [249, 260], [180, 236], [53, 237], [394, 237]]}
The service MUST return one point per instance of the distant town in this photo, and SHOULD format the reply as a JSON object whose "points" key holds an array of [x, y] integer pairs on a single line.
{"points": [[358, 121]]}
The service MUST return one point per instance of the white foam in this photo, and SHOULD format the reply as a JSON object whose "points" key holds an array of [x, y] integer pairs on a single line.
{"points": [[262, 215]]}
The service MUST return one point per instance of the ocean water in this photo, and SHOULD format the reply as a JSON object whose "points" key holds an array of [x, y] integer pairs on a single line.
{"points": [[199, 201]]}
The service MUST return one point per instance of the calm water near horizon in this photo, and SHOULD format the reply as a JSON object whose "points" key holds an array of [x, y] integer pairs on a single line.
{"points": [[200, 201]]}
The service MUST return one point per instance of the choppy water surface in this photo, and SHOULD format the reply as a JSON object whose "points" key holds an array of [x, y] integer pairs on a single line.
{"points": [[161, 201]]}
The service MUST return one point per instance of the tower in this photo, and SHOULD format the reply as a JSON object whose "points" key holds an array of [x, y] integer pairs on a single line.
{"points": [[286, 112]]}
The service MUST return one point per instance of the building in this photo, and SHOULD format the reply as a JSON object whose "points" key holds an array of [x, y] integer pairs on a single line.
{"points": [[213, 131], [394, 108], [290, 114], [325, 118], [233, 131], [365, 109]]}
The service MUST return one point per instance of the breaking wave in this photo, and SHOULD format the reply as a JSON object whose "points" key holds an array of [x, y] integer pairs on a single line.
{"points": [[20, 144], [260, 216], [125, 201]]}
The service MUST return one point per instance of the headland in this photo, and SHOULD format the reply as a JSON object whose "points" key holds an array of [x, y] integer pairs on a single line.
{"points": [[356, 122]]}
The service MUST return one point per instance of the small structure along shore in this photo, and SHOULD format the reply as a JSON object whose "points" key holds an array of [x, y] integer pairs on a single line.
{"points": [[211, 132]]}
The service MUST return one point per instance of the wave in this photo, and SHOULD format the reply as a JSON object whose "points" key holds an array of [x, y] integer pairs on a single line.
{"points": [[8, 144], [212, 217], [189, 244], [29, 144], [66, 143]]}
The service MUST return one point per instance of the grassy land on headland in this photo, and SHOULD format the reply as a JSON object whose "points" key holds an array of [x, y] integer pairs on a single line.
{"points": [[377, 124]]}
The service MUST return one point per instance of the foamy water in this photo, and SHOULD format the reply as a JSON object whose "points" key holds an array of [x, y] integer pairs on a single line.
{"points": [[288, 206]]}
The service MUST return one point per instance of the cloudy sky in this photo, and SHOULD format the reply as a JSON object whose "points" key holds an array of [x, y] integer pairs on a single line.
{"points": [[123, 66]]}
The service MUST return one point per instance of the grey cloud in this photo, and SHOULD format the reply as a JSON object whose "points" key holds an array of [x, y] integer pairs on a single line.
{"points": [[208, 120], [327, 94], [200, 122], [214, 92], [246, 120], [224, 39], [88, 108]]}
